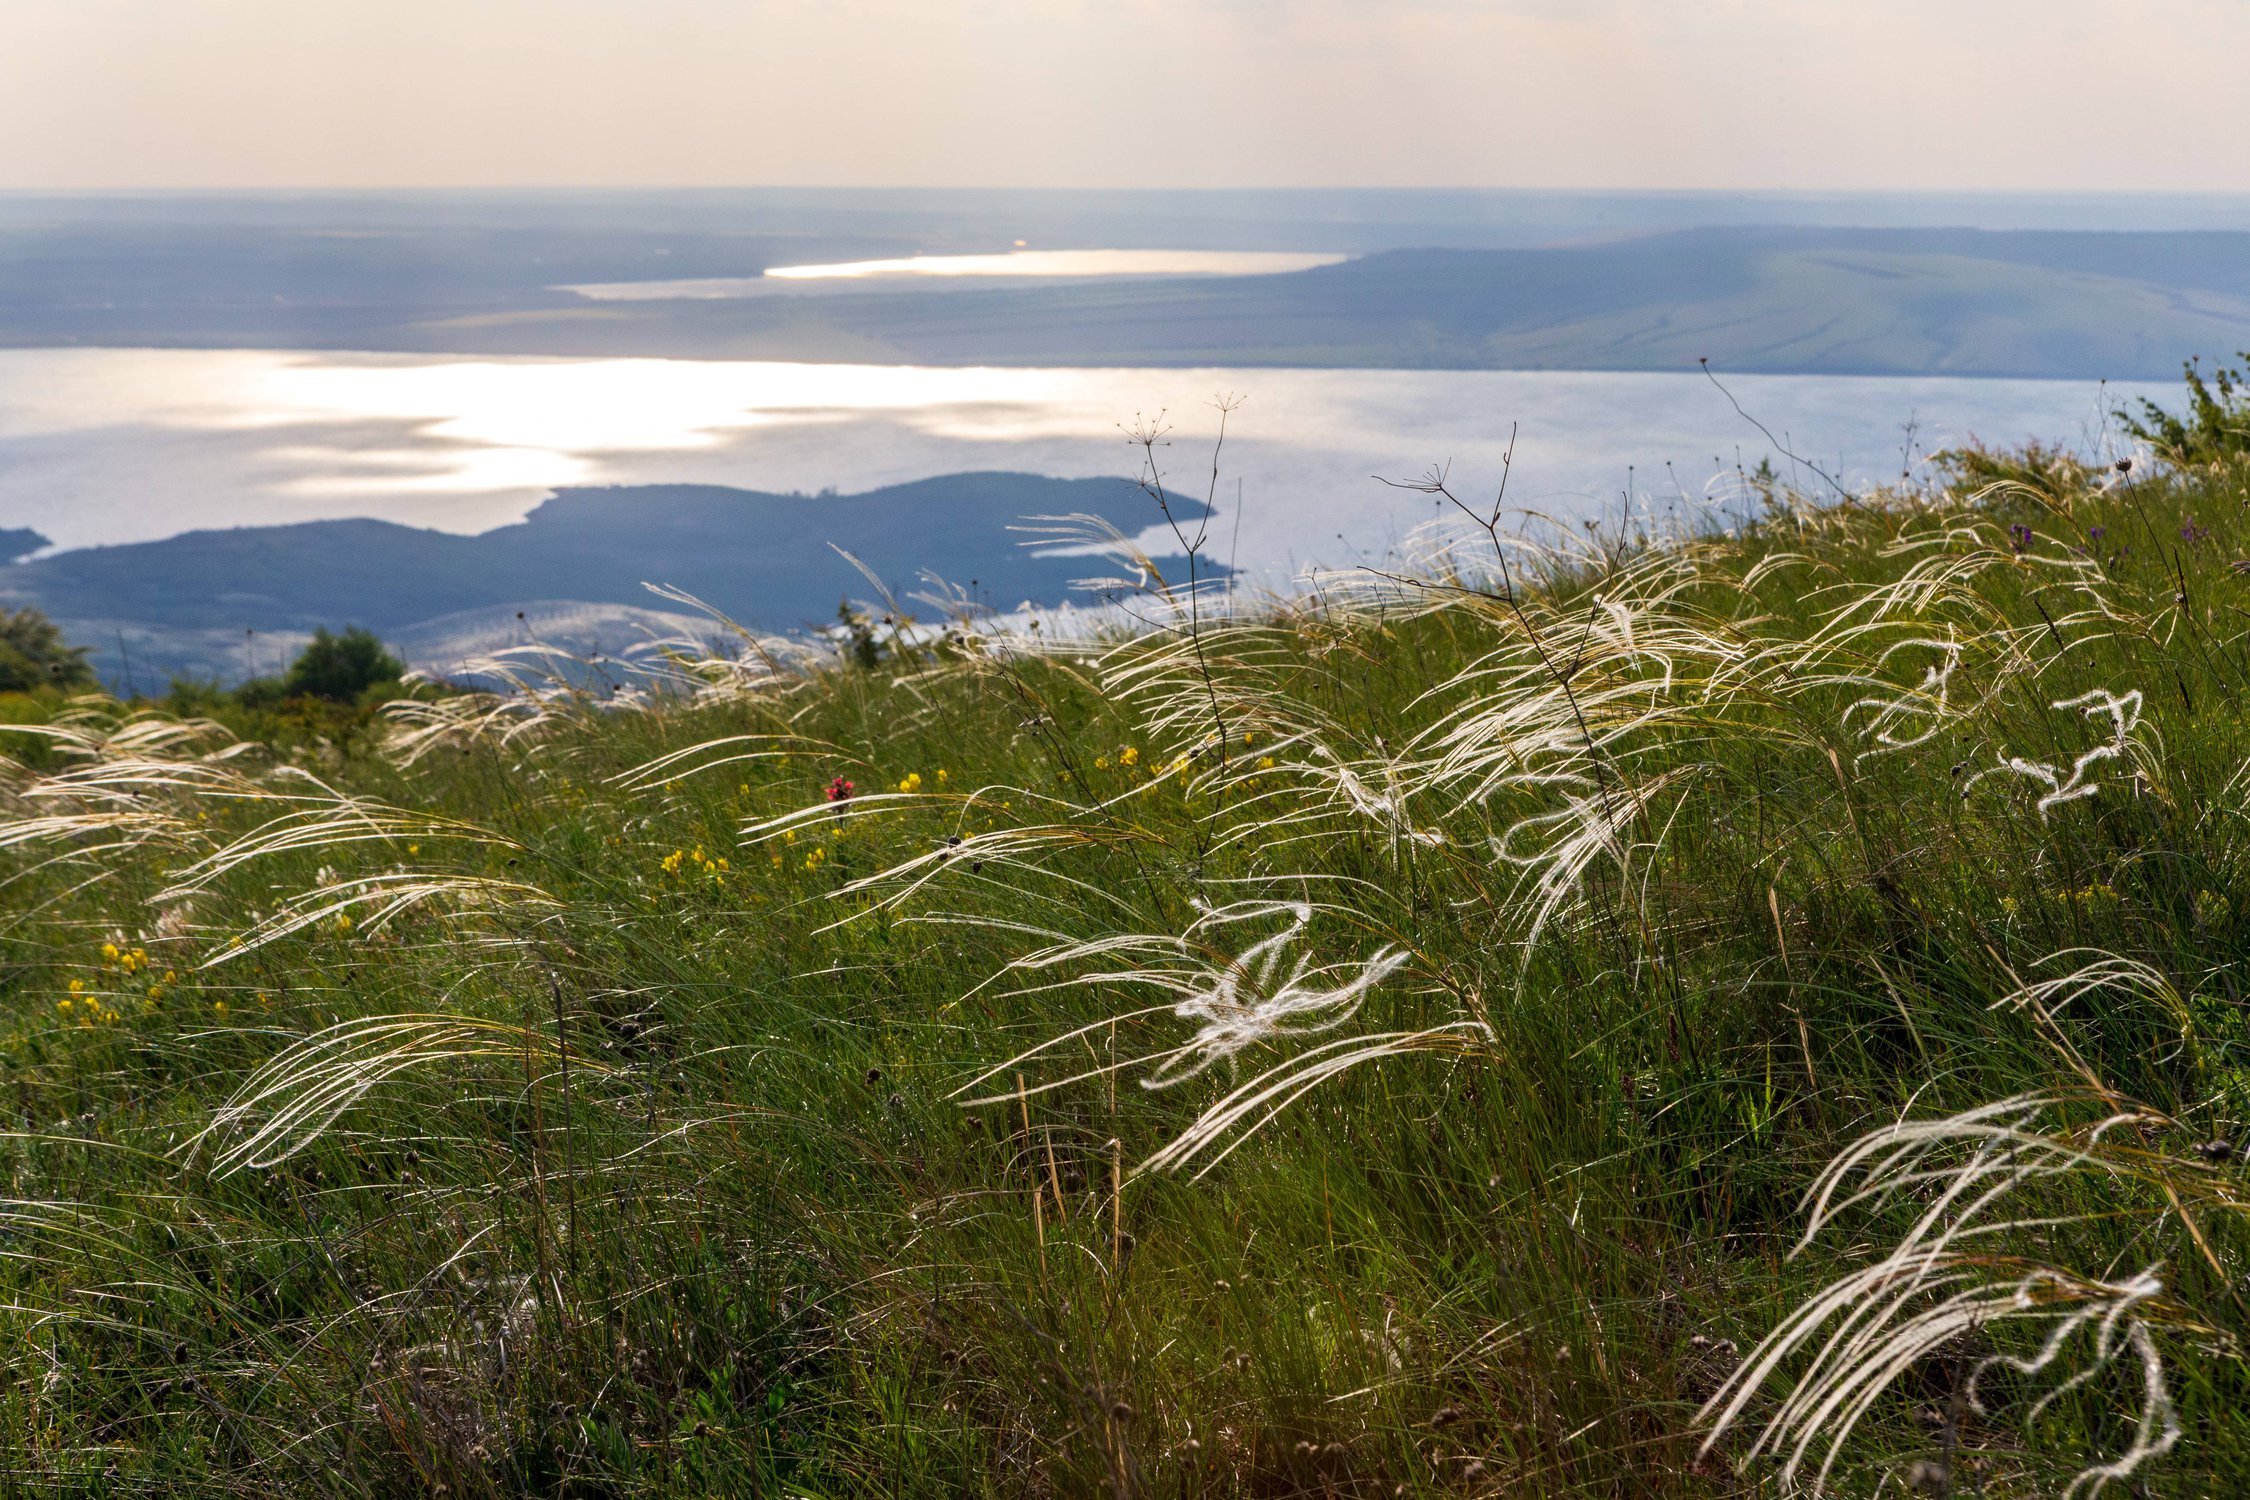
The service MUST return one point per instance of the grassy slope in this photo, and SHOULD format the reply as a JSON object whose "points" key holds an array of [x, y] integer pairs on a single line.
{"points": [[670, 1192]]}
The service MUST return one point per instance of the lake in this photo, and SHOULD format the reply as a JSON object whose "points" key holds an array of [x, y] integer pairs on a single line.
{"points": [[110, 445]]}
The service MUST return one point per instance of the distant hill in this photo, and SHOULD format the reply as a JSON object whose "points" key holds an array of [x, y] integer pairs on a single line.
{"points": [[1784, 301], [1789, 298], [183, 605]]}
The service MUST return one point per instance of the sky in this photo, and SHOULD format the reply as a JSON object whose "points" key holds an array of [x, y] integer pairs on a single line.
{"points": [[2031, 95]]}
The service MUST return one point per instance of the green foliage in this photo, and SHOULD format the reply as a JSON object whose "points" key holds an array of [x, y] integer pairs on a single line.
{"points": [[34, 655], [340, 667], [2213, 426], [573, 1098], [862, 647]]}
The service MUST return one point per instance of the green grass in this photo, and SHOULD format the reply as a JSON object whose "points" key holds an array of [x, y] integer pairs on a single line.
{"points": [[470, 1125]]}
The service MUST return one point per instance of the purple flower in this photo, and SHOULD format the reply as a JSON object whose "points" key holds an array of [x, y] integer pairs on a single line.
{"points": [[2020, 534]]}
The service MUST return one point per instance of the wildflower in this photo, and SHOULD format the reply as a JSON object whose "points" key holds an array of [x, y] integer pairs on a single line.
{"points": [[77, 985], [943, 776], [1265, 762], [912, 783], [414, 848], [841, 790], [64, 1006], [1101, 762], [1129, 756], [2019, 535], [109, 952], [2193, 534], [218, 1008]]}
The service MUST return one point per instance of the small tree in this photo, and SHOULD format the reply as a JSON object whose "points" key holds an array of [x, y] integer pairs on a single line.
{"points": [[33, 654], [2215, 425], [340, 667]]}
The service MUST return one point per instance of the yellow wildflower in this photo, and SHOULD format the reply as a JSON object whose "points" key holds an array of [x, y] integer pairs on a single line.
{"points": [[1265, 762], [77, 985], [943, 776], [1101, 762], [1129, 756], [64, 1006], [109, 952], [912, 783]]}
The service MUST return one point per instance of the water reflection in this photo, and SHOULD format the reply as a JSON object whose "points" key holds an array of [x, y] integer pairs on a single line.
{"points": [[113, 445], [1036, 264]]}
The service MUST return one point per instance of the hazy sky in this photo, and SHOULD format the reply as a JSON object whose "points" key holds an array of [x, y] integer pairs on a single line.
{"points": [[2031, 94]]}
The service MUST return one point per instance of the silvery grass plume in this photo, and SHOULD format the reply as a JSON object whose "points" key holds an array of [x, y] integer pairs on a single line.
{"points": [[1949, 1277], [1971, 1174], [1008, 852], [134, 781], [759, 667], [2123, 710], [1270, 991], [536, 690], [297, 1096], [316, 819]]}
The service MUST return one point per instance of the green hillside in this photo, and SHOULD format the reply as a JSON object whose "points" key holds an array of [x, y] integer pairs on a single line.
{"points": [[1377, 1042]]}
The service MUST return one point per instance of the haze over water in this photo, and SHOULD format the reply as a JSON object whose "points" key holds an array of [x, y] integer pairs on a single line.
{"points": [[101, 445]]}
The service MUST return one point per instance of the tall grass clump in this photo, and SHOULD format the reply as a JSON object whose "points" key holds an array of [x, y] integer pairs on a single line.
{"points": [[1742, 1012]]}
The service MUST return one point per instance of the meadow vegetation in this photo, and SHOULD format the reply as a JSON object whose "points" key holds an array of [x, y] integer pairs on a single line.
{"points": [[1610, 1014]]}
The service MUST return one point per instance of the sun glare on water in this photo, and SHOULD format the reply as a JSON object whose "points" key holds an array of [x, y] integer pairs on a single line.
{"points": [[1017, 264]]}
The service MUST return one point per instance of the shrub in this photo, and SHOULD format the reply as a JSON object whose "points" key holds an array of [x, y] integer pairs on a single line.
{"points": [[2215, 425], [33, 654], [340, 667]]}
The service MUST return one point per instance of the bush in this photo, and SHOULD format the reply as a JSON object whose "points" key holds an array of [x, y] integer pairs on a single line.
{"points": [[340, 667], [2215, 425], [33, 654]]}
